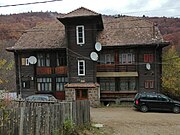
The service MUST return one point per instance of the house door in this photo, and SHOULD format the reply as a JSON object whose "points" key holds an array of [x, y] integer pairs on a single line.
{"points": [[81, 94]]}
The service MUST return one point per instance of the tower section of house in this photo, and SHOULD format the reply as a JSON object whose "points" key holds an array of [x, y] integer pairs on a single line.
{"points": [[81, 28]]}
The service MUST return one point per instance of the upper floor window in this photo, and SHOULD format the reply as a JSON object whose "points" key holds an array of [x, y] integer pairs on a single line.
{"points": [[43, 60], [61, 59], [149, 84], [126, 58], [24, 61], [81, 67], [80, 34], [109, 59], [148, 58]]}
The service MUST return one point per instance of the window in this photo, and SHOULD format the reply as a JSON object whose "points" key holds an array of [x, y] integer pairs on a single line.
{"points": [[24, 61], [148, 58], [81, 67], [60, 82], [107, 84], [80, 34], [81, 94], [61, 59], [109, 58], [44, 84], [126, 58], [149, 84], [43, 60], [25, 84], [127, 84]]}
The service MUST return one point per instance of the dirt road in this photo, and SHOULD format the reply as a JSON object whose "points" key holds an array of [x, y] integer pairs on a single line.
{"points": [[128, 121]]}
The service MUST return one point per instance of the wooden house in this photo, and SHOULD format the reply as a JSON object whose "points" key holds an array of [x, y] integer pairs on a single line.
{"points": [[86, 55]]}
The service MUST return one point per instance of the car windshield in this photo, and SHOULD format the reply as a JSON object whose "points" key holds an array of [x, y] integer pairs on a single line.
{"points": [[41, 98], [163, 97]]}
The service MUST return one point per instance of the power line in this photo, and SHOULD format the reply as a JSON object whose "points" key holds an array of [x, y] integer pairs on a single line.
{"points": [[23, 4]]}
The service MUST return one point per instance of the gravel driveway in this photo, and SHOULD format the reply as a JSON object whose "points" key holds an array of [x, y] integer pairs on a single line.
{"points": [[128, 121]]}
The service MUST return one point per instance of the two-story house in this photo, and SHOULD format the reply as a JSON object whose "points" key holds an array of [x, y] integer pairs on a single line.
{"points": [[86, 55]]}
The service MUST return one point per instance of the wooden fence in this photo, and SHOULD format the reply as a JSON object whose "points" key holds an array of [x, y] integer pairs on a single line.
{"points": [[42, 118]]}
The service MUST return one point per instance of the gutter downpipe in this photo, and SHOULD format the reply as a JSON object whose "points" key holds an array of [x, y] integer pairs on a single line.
{"points": [[156, 86]]}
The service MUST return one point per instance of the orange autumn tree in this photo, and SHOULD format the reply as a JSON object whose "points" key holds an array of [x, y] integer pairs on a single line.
{"points": [[171, 72]]}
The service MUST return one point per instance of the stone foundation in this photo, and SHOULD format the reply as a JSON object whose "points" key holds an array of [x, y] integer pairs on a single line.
{"points": [[93, 92]]}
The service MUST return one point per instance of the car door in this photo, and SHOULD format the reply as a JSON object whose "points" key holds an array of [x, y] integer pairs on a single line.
{"points": [[163, 103], [152, 101]]}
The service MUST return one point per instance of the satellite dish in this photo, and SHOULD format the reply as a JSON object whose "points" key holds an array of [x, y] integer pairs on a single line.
{"points": [[32, 60], [94, 56], [98, 46], [148, 66]]}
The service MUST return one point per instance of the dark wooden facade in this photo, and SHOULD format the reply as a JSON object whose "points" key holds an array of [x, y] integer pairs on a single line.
{"points": [[116, 71], [125, 65], [29, 73]]}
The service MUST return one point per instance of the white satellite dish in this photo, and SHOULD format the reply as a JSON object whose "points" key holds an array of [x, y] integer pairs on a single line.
{"points": [[148, 66], [98, 46], [32, 60], [94, 56]]}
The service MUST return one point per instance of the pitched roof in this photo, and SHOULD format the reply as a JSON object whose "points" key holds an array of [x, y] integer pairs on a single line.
{"points": [[80, 12], [118, 31], [49, 35], [126, 30]]}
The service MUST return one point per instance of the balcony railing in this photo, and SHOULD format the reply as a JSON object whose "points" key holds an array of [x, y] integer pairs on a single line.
{"points": [[62, 70], [116, 68]]}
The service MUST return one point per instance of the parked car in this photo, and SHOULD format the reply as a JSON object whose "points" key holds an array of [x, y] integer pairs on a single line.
{"points": [[41, 98], [155, 101]]}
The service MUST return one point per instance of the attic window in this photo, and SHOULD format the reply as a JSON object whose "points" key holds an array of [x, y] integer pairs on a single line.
{"points": [[80, 35]]}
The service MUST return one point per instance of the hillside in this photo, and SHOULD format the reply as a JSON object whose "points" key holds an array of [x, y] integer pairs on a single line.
{"points": [[13, 26], [170, 29]]}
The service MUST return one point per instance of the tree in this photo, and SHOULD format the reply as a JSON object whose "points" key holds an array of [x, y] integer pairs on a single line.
{"points": [[7, 68], [171, 72]]}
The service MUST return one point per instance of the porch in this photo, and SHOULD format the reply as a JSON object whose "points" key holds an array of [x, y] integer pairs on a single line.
{"points": [[117, 96]]}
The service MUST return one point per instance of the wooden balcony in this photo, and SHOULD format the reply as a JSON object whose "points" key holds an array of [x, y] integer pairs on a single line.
{"points": [[114, 95], [62, 70], [44, 70], [116, 68]]}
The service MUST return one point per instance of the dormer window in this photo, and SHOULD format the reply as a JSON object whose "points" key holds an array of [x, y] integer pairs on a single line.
{"points": [[80, 34]]}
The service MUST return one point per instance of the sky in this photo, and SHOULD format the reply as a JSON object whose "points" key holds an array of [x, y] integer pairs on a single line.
{"points": [[168, 8]]}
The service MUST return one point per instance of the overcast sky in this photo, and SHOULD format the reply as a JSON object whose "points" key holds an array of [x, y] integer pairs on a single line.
{"points": [[169, 8]]}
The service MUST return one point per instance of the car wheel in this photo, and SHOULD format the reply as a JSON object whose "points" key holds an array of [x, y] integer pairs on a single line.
{"points": [[176, 109], [144, 108]]}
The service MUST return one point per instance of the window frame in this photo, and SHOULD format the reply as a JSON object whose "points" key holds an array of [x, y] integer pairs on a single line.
{"points": [[25, 61], [59, 82], [45, 84], [126, 58], [61, 59], [78, 32], [43, 60], [81, 69], [148, 58], [26, 84], [81, 94], [149, 84]]}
